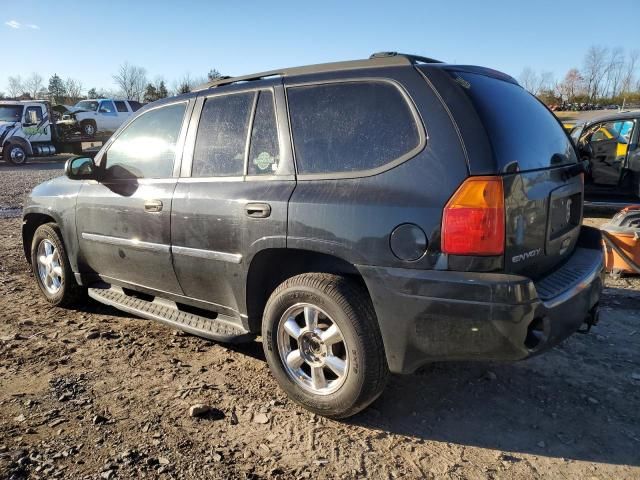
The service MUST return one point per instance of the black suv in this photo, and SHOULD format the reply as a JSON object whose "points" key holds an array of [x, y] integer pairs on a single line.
{"points": [[363, 217]]}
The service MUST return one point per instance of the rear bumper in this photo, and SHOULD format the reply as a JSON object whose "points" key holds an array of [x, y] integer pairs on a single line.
{"points": [[427, 316]]}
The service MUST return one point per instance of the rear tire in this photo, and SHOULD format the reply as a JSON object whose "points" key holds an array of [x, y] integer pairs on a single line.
{"points": [[323, 345], [15, 154], [51, 267]]}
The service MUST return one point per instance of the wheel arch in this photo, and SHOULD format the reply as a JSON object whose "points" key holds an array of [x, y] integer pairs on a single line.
{"points": [[30, 223], [270, 267], [19, 141]]}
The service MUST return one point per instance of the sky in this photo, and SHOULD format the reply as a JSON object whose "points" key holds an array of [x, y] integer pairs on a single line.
{"points": [[89, 40]]}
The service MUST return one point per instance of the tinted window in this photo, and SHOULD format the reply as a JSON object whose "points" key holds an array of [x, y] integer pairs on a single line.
{"points": [[135, 106], [222, 136], [264, 152], [121, 106], [346, 127], [147, 147], [107, 107], [520, 128]]}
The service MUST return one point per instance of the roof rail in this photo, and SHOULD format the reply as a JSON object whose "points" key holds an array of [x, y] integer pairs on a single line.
{"points": [[409, 56], [381, 59]]}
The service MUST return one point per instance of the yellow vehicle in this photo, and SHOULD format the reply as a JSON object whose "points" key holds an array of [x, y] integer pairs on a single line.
{"points": [[614, 131], [569, 125]]}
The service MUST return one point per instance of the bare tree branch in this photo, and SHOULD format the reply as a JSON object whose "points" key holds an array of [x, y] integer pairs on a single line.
{"points": [[131, 80]]}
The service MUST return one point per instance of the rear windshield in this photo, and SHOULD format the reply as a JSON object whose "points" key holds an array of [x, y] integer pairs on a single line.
{"points": [[520, 128]]}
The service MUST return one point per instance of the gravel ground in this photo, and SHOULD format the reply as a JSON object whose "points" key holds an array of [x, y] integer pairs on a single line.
{"points": [[94, 393]]}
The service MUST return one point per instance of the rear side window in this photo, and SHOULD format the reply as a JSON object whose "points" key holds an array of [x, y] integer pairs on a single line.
{"points": [[222, 135], [121, 106], [135, 106], [520, 128], [146, 148], [350, 127], [264, 152]]}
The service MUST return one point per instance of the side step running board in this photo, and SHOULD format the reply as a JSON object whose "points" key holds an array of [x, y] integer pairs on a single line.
{"points": [[222, 328]]}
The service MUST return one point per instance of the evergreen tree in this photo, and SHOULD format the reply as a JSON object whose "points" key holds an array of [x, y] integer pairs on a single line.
{"points": [[214, 74], [57, 90], [92, 93], [184, 87], [150, 93], [162, 90]]}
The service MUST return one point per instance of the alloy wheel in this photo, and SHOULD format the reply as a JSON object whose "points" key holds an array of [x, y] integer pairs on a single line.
{"points": [[312, 349], [49, 266]]}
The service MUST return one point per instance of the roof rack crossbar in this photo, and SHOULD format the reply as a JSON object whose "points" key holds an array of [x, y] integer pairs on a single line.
{"points": [[375, 60]]}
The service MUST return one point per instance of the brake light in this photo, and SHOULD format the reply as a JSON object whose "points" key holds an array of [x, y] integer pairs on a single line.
{"points": [[473, 219]]}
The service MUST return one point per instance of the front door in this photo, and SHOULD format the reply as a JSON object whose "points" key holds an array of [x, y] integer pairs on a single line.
{"points": [[231, 201], [107, 117], [608, 147], [36, 124], [123, 220]]}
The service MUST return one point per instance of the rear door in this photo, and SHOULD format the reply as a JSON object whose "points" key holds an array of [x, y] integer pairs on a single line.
{"points": [[232, 198], [542, 182], [123, 112]]}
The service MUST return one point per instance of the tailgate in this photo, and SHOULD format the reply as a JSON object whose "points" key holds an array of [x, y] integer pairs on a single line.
{"points": [[527, 145], [543, 212]]}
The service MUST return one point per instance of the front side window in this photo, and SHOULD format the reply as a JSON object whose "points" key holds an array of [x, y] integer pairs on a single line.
{"points": [[264, 151], [147, 147], [222, 135], [350, 127], [107, 107], [121, 106], [33, 115]]}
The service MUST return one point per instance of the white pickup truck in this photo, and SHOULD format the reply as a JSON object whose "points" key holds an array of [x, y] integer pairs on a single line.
{"points": [[98, 115]]}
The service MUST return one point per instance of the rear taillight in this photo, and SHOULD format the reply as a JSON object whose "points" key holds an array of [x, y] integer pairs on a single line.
{"points": [[473, 219]]}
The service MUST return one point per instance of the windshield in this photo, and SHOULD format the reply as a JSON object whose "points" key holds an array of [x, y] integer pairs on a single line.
{"points": [[10, 113], [87, 105], [521, 130]]}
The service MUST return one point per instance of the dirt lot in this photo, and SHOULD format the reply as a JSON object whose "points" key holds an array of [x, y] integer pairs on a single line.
{"points": [[94, 393]]}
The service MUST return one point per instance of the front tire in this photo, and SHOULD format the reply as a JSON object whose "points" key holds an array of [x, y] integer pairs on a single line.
{"points": [[15, 154], [323, 345], [51, 267], [89, 128]]}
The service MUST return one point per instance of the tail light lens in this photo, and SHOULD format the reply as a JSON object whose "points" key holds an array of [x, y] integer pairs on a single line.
{"points": [[473, 219]]}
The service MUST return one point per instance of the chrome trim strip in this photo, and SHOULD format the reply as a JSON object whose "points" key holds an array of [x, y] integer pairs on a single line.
{"points": [[126, 242], [208, 254]]}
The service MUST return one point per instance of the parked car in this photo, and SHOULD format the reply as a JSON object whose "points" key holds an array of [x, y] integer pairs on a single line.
{"points": [[609, 144], [98, 115], [363, 217]]}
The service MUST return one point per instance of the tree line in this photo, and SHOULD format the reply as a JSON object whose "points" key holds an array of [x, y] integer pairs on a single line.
{"points": [[608, 76], [131, 81]]}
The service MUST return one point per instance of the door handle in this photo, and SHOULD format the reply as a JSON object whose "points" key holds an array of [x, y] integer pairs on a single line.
{"points": [[258, 210], [153, 206]]}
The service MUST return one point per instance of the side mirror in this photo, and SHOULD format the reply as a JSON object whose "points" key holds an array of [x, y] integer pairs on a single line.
{"points": [[81, 168]]}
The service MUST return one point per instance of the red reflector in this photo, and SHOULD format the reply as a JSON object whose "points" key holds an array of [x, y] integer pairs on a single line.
{"points": [[473, 219]]}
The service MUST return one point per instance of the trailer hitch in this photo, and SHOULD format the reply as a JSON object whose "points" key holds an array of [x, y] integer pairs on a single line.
{"points": [[591, 319]]}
